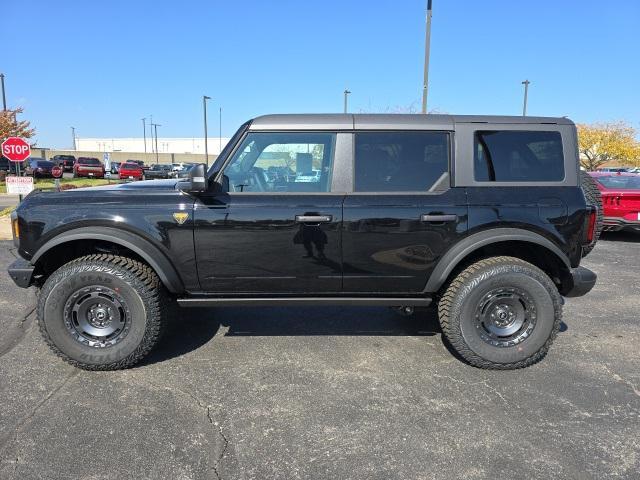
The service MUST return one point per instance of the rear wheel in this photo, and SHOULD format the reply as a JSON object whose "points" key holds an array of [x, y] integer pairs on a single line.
{"points": [[501, 313], [593, 197], [102, 312]]}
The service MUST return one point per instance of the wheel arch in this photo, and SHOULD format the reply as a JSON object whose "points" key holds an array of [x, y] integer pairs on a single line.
{"points": [[141, 247], [523, 244]]}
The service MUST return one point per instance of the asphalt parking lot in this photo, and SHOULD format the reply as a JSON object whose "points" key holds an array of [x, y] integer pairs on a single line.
{"points": [[330, 393]]}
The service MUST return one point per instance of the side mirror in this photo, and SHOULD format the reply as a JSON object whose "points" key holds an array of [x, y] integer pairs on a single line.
{"points": [[196, 180]]}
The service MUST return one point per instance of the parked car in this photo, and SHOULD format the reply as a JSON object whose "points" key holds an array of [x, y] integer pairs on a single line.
{"points": [[159, 170], [621, 200], [38, 167], [130, 170], [141, 164], [115, 167], [9, 167], [613, 169], [494, 236], [88, 167], [64, 161]]}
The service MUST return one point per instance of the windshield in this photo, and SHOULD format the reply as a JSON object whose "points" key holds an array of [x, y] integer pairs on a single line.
{"points": [[44, 163], [620, 182]]}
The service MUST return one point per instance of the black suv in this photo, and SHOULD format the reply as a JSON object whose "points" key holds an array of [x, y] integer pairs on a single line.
{"points": [[483, 216], [66, 162]]}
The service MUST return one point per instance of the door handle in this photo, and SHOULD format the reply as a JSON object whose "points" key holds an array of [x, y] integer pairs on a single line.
{"points": [[314, 218], [438, 218]]}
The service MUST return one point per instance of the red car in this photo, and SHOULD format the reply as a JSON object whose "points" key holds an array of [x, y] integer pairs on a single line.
{"points": [[88, 167], [621, 199], [130, 170]]}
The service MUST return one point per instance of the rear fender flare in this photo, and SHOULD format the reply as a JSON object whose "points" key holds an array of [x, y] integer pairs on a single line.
{"points": [[473, 242]]}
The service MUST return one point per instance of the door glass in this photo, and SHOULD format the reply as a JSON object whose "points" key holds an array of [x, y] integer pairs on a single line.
{"points": [[282, 162], [400, 161]]}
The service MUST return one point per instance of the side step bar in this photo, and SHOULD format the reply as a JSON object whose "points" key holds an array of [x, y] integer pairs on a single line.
{"points": [[302, 301]]}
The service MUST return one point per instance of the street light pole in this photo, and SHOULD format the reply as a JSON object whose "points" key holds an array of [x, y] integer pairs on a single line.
{"points": [[526, 93], [144, 133], [73, 136], [4, 99], [206, 147], [346, 93], [220, 133], [155, 128], [151, 131], [427, 48]]}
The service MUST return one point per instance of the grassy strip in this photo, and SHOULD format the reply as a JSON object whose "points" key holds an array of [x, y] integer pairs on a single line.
{"points": [[46, 183], [7, 211]]}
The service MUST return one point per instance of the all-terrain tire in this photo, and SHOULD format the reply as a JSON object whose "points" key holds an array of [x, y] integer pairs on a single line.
{"points": [[461, 316], [128, 286], [593, 197]]}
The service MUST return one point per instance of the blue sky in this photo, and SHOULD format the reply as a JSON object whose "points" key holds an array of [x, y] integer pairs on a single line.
{"points": [[102, 66]]}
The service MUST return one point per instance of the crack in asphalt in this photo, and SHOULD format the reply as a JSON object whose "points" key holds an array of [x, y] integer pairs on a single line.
{"points": [[13, 436], [20, 333], [207, 410], [620, 379]]}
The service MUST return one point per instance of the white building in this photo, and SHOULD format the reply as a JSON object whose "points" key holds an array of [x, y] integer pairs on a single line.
{"points": [[137, 145]]}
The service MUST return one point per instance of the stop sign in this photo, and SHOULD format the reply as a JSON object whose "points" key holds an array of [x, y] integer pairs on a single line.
{"points": [[56, 171], [16, 149]]}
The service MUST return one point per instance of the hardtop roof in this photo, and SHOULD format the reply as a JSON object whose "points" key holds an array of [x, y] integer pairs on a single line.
{"points": [[399, 121]]}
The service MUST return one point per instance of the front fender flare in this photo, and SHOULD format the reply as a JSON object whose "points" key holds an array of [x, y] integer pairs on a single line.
{"points": [[151, 254], [486, 237]]}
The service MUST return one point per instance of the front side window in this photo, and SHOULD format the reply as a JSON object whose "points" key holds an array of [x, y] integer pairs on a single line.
{"points": [[282, 162], [400, 161], [517, 156]]}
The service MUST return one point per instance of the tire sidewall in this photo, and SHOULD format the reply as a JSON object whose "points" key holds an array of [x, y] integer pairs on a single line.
{"points": [[70, 281], [506, 277]]}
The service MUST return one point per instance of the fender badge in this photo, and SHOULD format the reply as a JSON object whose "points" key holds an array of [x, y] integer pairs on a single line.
{"points": [[180, 217]]}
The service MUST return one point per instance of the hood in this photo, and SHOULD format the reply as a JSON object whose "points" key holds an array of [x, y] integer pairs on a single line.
{"points": [[144, 185]]}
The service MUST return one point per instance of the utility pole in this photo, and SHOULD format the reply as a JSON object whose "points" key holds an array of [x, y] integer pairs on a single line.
{"points": [[346, 93], [73, 136], [144, 133], [155, 128], [206, 140], [151, 131], [526, 93], [427, 48], [220, 133], [4, 99]]}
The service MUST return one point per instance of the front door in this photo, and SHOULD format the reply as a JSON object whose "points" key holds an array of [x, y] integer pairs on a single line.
{"points": [[402, 215], [277, 229]]}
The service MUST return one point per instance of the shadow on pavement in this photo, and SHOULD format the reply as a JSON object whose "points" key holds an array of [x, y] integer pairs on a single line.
{"points": [[194, 327]]}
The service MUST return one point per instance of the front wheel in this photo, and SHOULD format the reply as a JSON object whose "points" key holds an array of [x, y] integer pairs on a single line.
{"points": [[501, 313], [102, 312]]}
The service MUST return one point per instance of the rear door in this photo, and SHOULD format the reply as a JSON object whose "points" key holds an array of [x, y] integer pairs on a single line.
{"points": [[402, 214], [276, 227]]}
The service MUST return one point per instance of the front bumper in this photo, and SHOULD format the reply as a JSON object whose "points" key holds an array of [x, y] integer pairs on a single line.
{"points": [[581, 282], [21, 272]]}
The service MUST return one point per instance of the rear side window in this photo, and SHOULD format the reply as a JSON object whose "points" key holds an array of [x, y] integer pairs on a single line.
{"points": [[400, 161], [516, 156]]}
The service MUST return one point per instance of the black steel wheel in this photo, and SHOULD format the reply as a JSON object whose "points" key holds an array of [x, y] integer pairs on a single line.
{"points": [[102, 312], [501, 313], [505, 316]]}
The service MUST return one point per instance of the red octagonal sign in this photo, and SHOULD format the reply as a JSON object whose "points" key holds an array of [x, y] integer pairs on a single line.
{"points": [[16, 149]]}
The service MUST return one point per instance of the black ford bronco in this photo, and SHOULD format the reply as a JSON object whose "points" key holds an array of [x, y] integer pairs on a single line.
{"points": [[486, 217]]}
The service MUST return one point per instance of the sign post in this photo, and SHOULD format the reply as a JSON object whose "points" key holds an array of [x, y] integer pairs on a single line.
{"points": [[17, 150], [106, 158]]}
